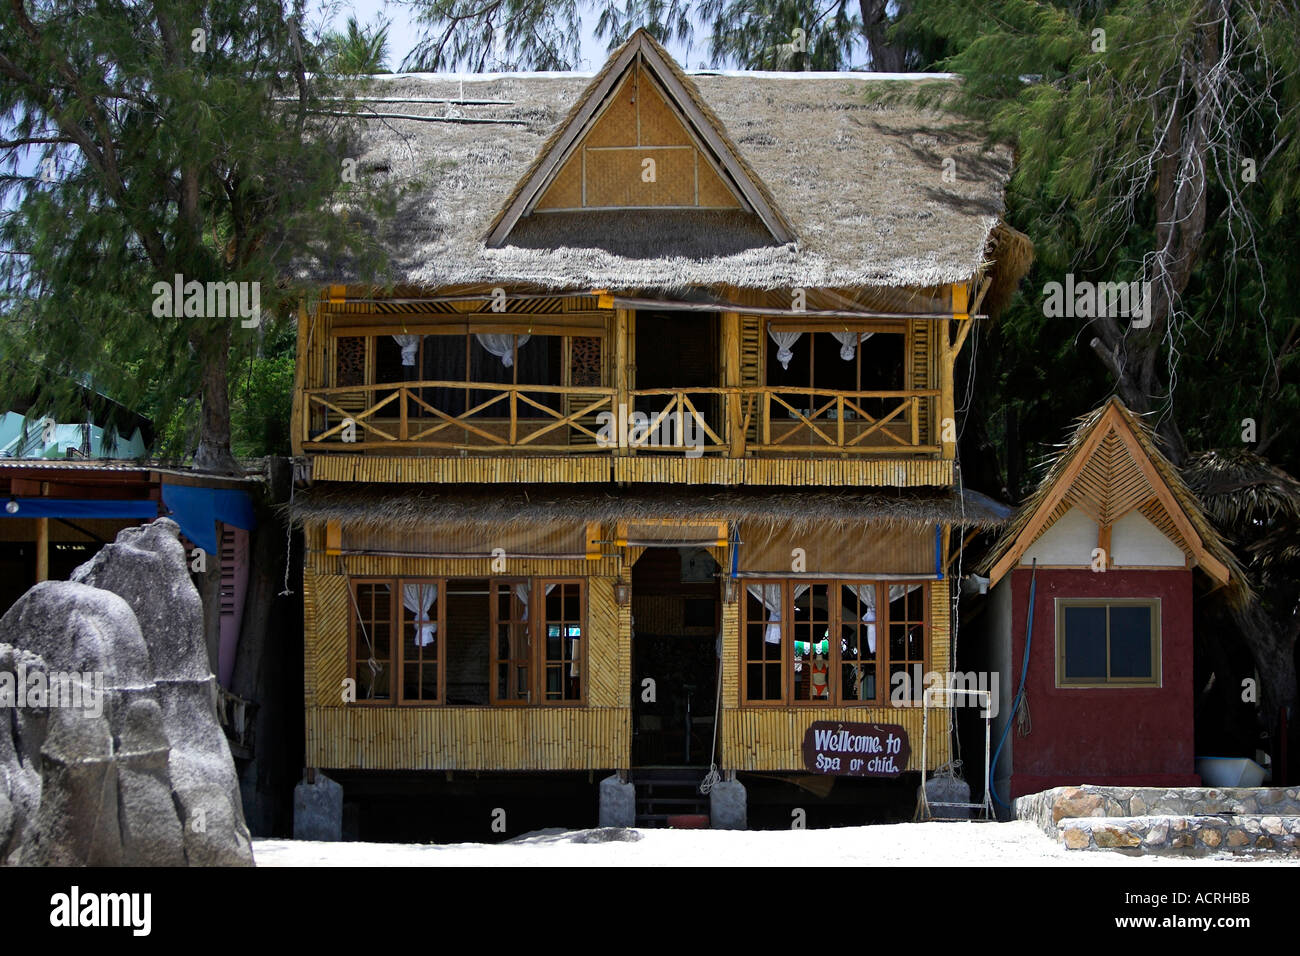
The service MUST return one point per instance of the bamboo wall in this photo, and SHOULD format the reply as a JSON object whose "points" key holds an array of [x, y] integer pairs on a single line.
{"points": [[594, 736], [368, 737]]}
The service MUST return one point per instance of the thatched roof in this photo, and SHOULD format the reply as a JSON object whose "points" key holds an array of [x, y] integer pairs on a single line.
{"points": [[1127, 471], [860, 182], [415, 507]]}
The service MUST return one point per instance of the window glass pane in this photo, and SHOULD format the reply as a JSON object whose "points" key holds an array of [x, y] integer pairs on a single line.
{"points": [[763, 638], [858, 641], [468, 641], [372, 647], [1130, 641], [1085, 643]]}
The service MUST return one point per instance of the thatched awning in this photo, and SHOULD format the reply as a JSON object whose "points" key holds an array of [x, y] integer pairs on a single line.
{"points": [[861, 182], [415, 507]]}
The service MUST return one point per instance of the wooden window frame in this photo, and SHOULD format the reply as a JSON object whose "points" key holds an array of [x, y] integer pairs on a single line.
{"points": [[536, 660], [1156, 680], [834, 622], [537, 621]]}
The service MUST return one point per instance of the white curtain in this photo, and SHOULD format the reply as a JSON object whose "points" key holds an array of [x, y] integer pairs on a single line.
{"points": [[524, 592], [799, 591], [502, 346], [783, 340], [410, 345], [849, 343], [866, 594], [770, 596], [418, 599]]}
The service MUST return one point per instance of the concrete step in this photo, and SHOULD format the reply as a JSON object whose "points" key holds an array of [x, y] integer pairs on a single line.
{"points": [[1185, 835], [1051, 807]]}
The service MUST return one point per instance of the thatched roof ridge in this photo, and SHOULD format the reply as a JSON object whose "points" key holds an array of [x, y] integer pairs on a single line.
{"points": [[860, 180], [412, 507], [1027, 524]]}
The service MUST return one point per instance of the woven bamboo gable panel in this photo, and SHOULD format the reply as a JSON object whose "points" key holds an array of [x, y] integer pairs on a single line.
{"points": [[1109, 485], [608, 168]]}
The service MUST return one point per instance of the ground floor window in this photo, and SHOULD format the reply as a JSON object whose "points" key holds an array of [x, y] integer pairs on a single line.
{"points": [[468, 641], [830, 642], [1107, 642]]}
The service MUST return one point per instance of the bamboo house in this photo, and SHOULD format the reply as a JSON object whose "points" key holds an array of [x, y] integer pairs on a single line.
{"points": [[642, 460]]}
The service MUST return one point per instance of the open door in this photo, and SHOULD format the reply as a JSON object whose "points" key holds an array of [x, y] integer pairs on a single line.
{"points": [[676, 617]]}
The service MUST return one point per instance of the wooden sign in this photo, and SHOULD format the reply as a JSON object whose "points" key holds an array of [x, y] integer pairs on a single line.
{"points": [[855, 750]]}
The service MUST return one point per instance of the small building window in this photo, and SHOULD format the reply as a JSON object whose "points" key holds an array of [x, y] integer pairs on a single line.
{"points": [[1107, 643]]}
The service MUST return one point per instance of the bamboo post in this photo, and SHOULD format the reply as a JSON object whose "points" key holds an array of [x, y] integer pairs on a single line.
{"points": [[916, 421], [947, 357], [623, 340], [735, 433], [42, 549], [404, 426], [300, 414]]}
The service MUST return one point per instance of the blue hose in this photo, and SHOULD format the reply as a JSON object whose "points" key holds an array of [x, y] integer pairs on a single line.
{"points": [[1020, 693]]}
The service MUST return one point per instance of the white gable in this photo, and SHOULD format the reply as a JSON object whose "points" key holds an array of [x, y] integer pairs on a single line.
{"points": [[1136, 542], [1068, 541]]}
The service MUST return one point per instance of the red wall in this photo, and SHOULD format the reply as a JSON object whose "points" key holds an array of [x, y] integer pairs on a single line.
{"points": [[1106, 735]]}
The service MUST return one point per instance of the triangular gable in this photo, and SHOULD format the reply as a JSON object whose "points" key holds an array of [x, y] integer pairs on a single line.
{"points": [[1111, 470], [639, 137]]}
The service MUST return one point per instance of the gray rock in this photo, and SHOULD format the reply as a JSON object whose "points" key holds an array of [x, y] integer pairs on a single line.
{"points": [[318, 810], [945, 789], [22, 732], [728, 806], [147, 567], [140, 773], [617, 803]]}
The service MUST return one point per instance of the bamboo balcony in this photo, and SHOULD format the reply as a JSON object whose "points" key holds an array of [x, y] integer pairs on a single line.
{"points": [[438, 418]]}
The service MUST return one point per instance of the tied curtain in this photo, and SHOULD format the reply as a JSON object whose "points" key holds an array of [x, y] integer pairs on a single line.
{"points": [[849, 343], [502, 346], [770, 596], [866, 595], [418, 599], [784, 341]]}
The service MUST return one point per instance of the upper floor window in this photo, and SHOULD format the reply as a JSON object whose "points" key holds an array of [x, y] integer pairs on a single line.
{"points": [[829, 642], [1101, 643], [468, 641]]}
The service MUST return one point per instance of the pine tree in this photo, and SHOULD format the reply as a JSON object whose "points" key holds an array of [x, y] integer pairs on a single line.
{"points": [[151, 141]]}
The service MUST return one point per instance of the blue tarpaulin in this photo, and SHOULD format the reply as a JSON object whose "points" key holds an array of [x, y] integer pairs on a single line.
{"points": [[81, 508], [197, 510]]}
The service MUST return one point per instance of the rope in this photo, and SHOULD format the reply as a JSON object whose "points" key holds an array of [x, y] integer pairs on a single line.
{"points": [[713, 778], [288, 543], [370, 661]]}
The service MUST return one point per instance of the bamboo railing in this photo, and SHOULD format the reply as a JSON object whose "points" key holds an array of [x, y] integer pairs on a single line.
{"points": [[729, 420]]}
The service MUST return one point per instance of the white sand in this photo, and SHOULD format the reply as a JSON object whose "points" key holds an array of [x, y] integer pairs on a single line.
{"points": [[907, 844]]}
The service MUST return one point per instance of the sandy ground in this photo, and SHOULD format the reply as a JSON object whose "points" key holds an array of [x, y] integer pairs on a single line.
{"points": [[907, 844]]}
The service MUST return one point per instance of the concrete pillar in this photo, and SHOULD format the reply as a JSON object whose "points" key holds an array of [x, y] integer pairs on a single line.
{"points": [[318, 809], [617, 802], [728, 805]]}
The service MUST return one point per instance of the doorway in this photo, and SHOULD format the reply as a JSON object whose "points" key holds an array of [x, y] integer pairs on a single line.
{"points": [[676, 622], [677, 350]]}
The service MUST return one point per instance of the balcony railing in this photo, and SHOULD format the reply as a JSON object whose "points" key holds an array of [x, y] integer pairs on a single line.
{"points": [[727, 421]]}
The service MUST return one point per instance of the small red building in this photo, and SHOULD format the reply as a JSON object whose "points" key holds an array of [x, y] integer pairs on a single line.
{"points": [[1107, 547]]}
